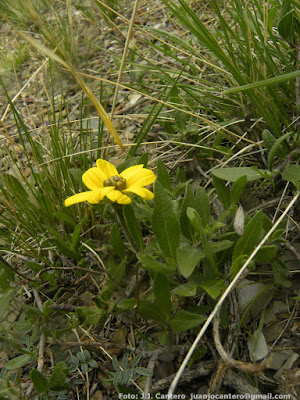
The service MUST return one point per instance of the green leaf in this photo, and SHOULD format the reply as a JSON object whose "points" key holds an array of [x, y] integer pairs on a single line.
{"points": [[265, 82], [93, 316], [76, 174], [276, 236], [237, 189], [266, 254], [143, 371], [76, 235], [163, 175], [126, 304], [291, 173], [213, 287], [40, 383], [136, 360], [281, 273], [23, 326], [18, 362], [8, 271], [185, 290], [202, 205], [93, 363], [286, 25], [133, 226], [116, 241], [251, 235], [14, 185], [143, 159], [181, 119], [234, 173], [62, 216], [35, 267], [161, 289], [198, 226], [165, 223], [268, 139], [116, 267], [67, 251], [58, 376], [62, 244], [4, 283], [222, 245], [188, 201], [221, 189], [276, 149], [237, 265], [152, 265], [184, 320], [150, 311], [297, 185], [188, 257], [5, 298]]}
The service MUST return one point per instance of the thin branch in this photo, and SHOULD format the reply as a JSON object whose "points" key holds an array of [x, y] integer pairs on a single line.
{"points": [[41, 342], [124, 57]]}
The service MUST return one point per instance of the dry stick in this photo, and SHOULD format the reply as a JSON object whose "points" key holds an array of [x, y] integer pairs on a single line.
{"points": [[41, 342], [147, 388], [223, 297], [240, 384], [124, 58]]}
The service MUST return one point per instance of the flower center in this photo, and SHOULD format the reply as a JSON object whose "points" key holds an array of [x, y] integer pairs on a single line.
{"points": [[117, 181]]}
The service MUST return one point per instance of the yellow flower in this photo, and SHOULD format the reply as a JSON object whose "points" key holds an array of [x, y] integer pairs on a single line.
{"points": [[105, 181]]}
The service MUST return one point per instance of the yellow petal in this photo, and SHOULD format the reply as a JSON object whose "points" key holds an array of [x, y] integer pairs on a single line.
{"points": [[106, 190], [142, 192], [93, 178], [118, 197], [106, 168], [92, 197], [138, 176], [98, 195], [124, 199], [78, 198], [128, 173]]}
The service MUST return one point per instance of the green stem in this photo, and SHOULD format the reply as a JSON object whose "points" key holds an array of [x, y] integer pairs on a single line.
{"points": [[119, 211]]}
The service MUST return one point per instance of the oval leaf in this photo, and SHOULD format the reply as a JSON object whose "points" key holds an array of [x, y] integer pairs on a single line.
{"points": [[234, 173], [18, 362], [188, 258], [40, 383], [165, 223], [184, 320]]}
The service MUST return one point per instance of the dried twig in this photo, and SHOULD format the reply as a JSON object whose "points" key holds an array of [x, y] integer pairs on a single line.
{"points": [[41, 343], [239, 383], [150, 365], [204, 368]]}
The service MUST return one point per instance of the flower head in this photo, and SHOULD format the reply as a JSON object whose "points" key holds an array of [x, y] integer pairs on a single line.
{"points": [[105, 181]]}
